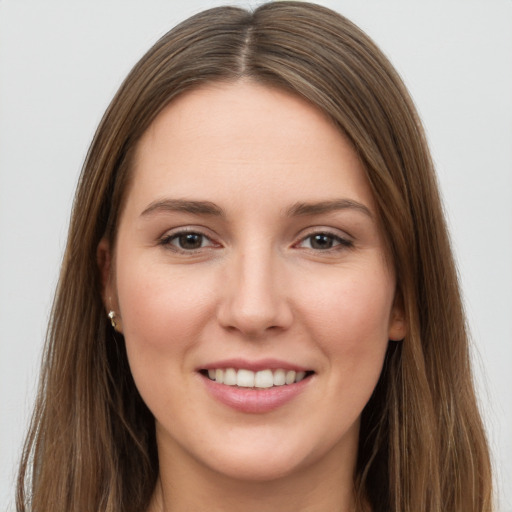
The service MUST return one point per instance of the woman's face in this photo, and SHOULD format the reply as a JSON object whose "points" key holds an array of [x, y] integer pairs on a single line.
{"points": [[251, 283]]}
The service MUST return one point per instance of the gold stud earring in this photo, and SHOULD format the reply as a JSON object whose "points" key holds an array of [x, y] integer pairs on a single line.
{"points": [[112, 316]]}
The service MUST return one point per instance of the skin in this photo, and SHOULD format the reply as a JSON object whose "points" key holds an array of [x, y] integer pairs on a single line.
{"points": [[259, 286]]}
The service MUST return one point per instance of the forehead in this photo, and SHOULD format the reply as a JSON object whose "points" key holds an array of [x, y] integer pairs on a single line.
{"points": [[240, 140]]}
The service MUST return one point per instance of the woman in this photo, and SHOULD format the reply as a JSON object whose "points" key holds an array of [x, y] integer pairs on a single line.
{"points": [[258, 305]]}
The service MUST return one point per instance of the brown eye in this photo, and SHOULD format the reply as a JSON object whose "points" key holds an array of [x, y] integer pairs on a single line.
{"points": [[190, 241], [321, 241], [187, 241], [324, 242]]}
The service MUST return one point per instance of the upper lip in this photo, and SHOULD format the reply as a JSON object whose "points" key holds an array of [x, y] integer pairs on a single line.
{"points": [[255, 366]]}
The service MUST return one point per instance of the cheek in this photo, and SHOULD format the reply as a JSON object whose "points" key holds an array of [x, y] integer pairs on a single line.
{"points": [[162, 308], [163, 311], [349, 317]]}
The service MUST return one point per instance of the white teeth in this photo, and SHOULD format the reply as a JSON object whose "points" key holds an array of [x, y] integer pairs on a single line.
{"points": [[230, 377], [279, 378], [249, 379], [298, 377], [290, 377], [245, 378], [264, 379]]}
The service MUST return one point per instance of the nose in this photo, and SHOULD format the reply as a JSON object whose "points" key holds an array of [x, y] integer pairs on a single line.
{"points": [[255, 299]]}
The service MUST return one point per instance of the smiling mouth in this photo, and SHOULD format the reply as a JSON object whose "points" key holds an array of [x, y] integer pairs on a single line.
{"points": [[262, 379]]}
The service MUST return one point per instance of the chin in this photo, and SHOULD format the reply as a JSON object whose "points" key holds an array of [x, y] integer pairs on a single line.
{"points": [[261, 467], [272, 456]]}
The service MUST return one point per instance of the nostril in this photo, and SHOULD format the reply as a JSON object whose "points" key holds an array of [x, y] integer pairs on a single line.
{"points": [[254, 306]]}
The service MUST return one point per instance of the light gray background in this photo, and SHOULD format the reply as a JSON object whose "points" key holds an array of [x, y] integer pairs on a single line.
{"points": [[60, 64]]}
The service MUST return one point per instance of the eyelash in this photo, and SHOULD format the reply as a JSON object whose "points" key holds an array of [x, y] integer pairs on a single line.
{"points": [[167, 241], [339, 242]]}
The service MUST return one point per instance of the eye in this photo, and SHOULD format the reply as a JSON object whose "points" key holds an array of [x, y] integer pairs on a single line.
{"points": [[187, 241], [323, 242]]}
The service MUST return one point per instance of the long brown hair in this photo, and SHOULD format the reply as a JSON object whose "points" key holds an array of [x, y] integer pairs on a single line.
{"points": [[91, 445]]}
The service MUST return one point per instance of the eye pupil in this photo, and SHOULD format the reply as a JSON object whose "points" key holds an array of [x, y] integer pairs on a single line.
{"points": [[321, 241], [190, 241]]}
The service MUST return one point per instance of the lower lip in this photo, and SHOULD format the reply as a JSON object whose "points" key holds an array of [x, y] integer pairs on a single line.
{"points": [[255, 401]]}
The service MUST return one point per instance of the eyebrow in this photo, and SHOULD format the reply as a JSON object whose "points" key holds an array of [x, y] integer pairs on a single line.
{"points": [[296, 210], [299, 209], [184, 205]]}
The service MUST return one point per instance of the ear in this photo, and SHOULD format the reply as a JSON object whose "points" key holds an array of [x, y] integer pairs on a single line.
{"points": [[104, 258], [104, 261], [397, 323]]}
